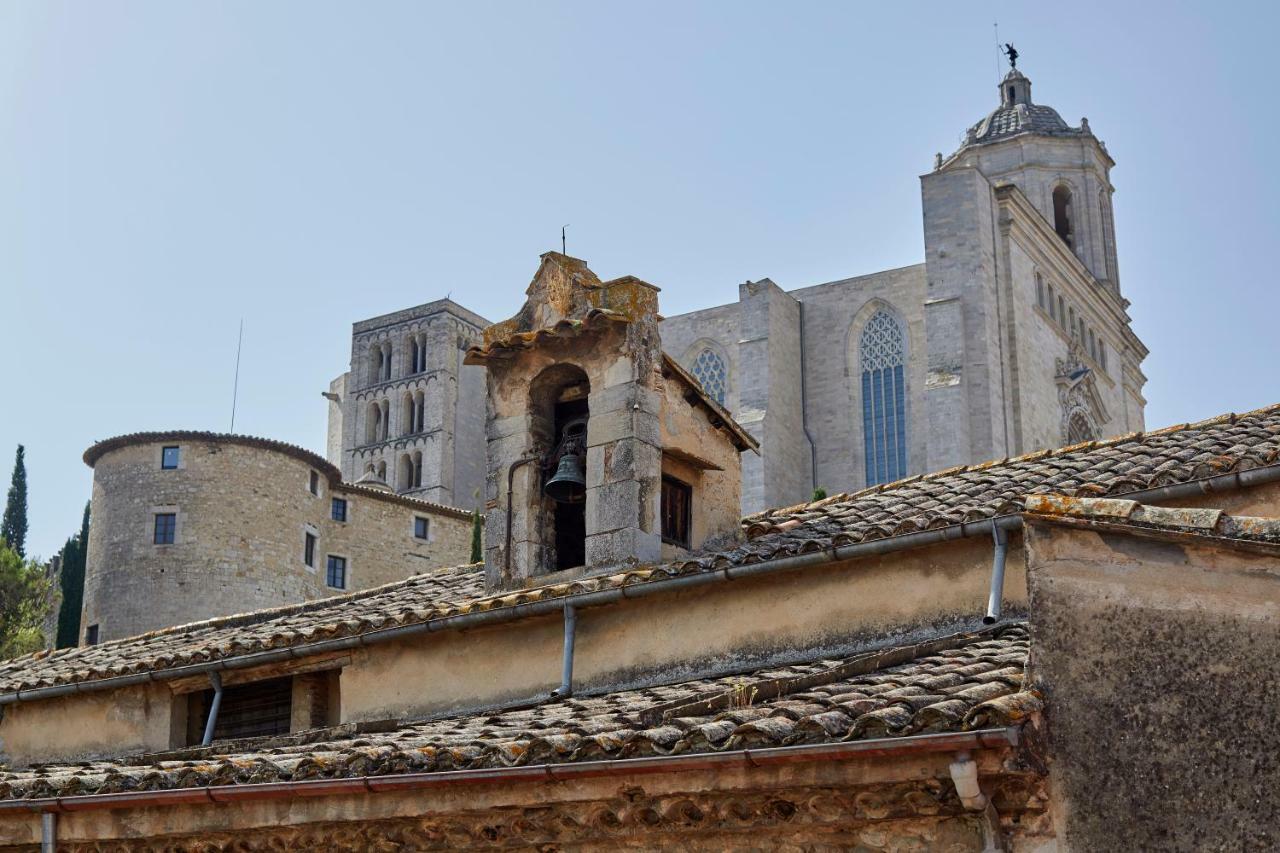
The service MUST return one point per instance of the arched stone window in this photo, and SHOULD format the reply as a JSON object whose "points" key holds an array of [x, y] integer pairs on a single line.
{"points": [[1062, 214], [884, 398], [404, 473], [1080, 428], [407, 413], [419, 411], [709, 369]]}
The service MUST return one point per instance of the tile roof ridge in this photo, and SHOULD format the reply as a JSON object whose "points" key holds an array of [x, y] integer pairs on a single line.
{"points": [[250, 617]]}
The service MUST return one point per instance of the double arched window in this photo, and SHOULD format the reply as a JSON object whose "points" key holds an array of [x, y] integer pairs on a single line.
{"points": [[709, 369], [882, 352]]}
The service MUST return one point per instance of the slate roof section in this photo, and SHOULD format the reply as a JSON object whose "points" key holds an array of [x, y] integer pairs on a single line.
{"points": [[1004, 122], [957, 683], [964, 494]]}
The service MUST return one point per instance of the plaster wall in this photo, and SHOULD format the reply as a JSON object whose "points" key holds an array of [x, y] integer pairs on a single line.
{"points": [[1155, 657], [79, 727]]}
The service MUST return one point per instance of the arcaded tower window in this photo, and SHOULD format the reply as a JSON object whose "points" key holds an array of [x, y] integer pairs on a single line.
{"points": [[1062, 215]]}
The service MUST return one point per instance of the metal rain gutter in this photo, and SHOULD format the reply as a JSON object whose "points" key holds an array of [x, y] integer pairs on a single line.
{"points": [[992, 738], [1011, 521]]}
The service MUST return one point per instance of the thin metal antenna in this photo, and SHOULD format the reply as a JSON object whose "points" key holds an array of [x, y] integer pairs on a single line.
{"points": [[235, 389], [997, 29], [562, 248]]}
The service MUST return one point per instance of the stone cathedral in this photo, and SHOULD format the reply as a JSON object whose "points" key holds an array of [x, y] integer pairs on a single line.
{"points": [[1012, 336]]}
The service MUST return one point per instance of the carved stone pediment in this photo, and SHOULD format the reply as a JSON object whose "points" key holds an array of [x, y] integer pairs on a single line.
{"points": [[1083, 411]]}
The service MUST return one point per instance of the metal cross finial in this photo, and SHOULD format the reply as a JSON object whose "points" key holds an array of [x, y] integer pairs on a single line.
{"points": [[1011, 52]]}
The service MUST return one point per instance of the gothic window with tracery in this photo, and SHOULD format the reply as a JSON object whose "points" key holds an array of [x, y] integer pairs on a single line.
{"points": [[884, 399], [709, 369]]}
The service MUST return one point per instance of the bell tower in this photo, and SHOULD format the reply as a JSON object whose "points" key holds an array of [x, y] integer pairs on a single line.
{"points": [[574, 451]]}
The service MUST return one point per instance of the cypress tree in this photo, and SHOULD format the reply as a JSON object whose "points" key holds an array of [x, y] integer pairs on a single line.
{"points": [[72, 584], [13, 529], [477, 546]]}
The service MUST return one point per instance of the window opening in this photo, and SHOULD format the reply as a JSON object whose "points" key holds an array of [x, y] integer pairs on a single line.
{"points": [[91, 635], [1062, 215], [169, 458], [335, 572], [257, 709], [677, 511], [309, 549], [421, 527], [338, 509], [884, 427], [709, 370], [166, 528], [313, 483]]}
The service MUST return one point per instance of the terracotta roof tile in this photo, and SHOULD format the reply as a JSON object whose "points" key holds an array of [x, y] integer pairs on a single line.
{"points": [[625, 724], [962, 494]]}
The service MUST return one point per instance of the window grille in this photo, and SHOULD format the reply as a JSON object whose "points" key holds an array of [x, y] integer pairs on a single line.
{"points": [[884, 421]]}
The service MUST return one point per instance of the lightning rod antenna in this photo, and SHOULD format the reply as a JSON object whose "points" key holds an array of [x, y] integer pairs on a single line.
{"points": [[996, 25], [235, 388], [562, 244]]}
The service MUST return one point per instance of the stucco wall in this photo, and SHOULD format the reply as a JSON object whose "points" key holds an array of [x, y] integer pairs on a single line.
{"points": [[1160, 662], [242, 512], [77, 727]]}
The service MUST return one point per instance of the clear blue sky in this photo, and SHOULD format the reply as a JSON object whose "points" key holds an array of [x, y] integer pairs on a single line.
{"points": [[168, 168]]}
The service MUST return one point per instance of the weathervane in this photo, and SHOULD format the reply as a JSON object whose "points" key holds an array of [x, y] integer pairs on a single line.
{"points": [[1011, 52]]}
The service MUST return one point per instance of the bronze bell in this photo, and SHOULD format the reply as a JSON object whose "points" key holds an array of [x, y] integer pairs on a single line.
{"points": [[569, 485]]}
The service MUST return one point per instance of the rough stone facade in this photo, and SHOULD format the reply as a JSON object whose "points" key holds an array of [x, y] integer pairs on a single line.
{"points": [[243, 508], [408, 411], [1014, 334]]}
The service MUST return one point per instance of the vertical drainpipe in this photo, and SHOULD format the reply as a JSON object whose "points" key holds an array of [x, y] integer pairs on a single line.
{"points": [[804, 410], [565, 690], [216, 679], [995, 598], [48, 832]]}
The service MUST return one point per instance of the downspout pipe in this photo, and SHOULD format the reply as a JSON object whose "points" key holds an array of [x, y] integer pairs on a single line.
{"points": [[995, 598], [48, 832], [511, 476], [215, 678], [964, 775], [565, 690], [543, 607]]}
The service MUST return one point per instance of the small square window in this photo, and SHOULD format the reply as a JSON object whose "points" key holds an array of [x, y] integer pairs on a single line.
{"points": [[338, 509], [421, 528], [335, 573], [314, 484], [677, 502], [91, 635], [166, 527], [169, 458], [309, 549]]}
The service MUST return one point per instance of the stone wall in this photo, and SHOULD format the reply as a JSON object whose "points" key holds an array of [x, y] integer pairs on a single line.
{"points": [[242, 512], [449, 437]]}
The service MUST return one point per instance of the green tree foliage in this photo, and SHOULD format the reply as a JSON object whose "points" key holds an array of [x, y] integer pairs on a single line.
{"points": [[72, 583], [13, 529], [819, 493], [23, 604], [477, 539]]}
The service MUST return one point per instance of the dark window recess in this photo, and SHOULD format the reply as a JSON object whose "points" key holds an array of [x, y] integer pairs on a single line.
{"points": [[421, 527], [309, 549], [166, 527], [339, 511], [169, 458], [314, 483], [257, 709], [335, 572], [677, 505], [91, 635]]}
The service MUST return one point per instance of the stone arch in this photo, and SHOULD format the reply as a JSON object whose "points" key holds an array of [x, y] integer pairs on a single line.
{"points": [[879, 349], [1080, 427], [558, 396], [1064, 213]]}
